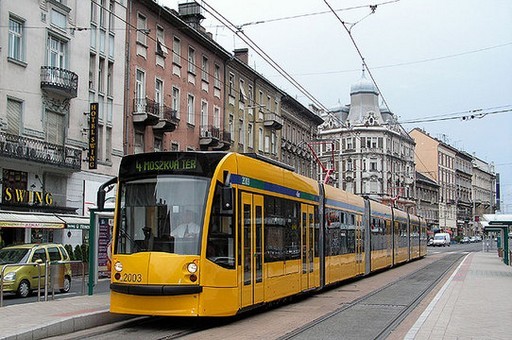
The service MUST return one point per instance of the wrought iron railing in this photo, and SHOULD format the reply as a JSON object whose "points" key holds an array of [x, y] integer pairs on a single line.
{"points": [[64, 81], [35, 150]]}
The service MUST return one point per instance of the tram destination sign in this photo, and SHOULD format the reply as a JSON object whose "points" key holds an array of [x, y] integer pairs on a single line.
{"points": [[161, 163]]}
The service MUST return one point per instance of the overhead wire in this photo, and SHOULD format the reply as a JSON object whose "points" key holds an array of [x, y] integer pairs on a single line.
{"points": [[232, 27]]}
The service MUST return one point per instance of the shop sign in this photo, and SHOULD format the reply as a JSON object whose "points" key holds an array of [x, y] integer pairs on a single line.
{"points": [[19, 196], [41, 225], [93, 136]]}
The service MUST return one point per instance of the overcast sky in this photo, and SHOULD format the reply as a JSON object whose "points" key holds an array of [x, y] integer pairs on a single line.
{"points": [[432, 59]]}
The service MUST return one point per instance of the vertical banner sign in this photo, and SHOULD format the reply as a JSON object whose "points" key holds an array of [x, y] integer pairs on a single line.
{"points": [[93, 135], [104, 246]]}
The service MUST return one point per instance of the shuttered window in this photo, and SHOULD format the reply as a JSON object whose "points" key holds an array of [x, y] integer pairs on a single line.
{"points": [[54, 128], [13, 116]]}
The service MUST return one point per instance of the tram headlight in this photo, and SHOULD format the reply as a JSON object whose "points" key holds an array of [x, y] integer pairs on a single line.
{"points": [[192, 267], [118, 267]]}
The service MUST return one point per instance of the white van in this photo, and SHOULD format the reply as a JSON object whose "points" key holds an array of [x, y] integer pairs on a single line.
{"points": [[441, 239]]}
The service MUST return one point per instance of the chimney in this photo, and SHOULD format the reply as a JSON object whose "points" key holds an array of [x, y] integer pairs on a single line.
{"points": [[190, 12], [242, 54]]}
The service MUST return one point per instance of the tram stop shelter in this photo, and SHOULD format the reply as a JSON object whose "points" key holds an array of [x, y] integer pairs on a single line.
{"points": [[503, 225]]}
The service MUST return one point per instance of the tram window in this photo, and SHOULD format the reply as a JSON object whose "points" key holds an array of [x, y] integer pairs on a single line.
{"points": [[282, 233], [220, 246]]}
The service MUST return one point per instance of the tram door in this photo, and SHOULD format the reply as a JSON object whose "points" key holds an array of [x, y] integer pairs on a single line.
{"points": [[252, 249], [360, 254], [308, 249]]}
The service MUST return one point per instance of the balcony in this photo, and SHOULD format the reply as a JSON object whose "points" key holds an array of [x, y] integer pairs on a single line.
{"points": [[213, 139], [34, 150], [168, 119], [59, 81], [224, 142], [272, 120], [146, 111]]}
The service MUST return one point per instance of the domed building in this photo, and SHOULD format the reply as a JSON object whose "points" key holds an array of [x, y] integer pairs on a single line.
{"points": [[373, 155]]}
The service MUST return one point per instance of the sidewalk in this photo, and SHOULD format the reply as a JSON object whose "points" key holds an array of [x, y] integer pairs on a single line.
{"points": [[39, 320], [475, 303]]}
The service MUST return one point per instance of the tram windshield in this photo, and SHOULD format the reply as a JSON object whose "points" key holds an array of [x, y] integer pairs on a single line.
{"points": [[163, 213]]}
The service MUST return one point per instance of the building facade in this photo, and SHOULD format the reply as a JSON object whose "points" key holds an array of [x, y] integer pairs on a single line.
{"points": [[56, 58], [373, 155], [175, 80], [427, 194], [484, 192], [463, 194]]}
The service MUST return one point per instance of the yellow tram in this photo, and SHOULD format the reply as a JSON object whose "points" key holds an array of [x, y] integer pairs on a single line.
{"points": [[216, 234]]}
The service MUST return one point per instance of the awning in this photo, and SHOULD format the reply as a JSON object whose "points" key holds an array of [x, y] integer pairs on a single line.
{"points": [[30, 220], [42, 220], [75, 221]]}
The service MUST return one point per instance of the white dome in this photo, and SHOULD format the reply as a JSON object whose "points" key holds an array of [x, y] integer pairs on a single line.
{"points": [[363, 86]]}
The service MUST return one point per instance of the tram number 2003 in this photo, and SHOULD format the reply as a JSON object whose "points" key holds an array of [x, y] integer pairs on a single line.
{"points": [[127, 277]]}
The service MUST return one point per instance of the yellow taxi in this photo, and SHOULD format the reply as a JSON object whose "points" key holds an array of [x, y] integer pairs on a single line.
{"points": [[30, 273]]}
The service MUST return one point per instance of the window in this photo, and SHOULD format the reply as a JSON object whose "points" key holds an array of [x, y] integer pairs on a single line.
{"points": [[103, 37], [160, 45], [92, 74], [110, 110], [108, 144], [56, 52], [260, 139], [58, 19], [242, 91], [250, 135], [216, 81], [111, 45], [241, 131], [140, 90], [231, 84], [54, 132], [204, 69], [159, 95], [190, 109], [176, 100], [141, 29], [192, 60], [14, 111], [102, 14], [139, 142], [110, 79], [216, 117], [94, 12], [16, 39], [101, 71], [204, 114], [111, 14], [157, 144], [231, 126], [176, 51]]}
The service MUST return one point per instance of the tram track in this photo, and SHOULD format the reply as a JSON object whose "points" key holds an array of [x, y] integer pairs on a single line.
{"points": [[370, 308], [377, 314]]}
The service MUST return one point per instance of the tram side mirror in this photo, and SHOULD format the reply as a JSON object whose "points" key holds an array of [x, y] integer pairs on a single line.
{"points": [[226, 207], [100, 199]]}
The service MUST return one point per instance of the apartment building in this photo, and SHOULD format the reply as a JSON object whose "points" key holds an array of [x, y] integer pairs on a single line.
{"points": [[252, 109], [175, 81], [373, 155], [483, 191], [299, 136], [56, 59]]}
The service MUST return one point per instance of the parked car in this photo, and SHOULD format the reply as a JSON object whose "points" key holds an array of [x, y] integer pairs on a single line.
{"points": [[22, 280], [465, 239]]}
